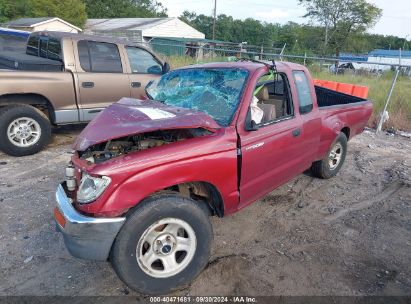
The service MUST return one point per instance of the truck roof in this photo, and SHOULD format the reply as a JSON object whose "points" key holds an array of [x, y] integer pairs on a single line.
{"points": [[248, 65], [75, 36]]}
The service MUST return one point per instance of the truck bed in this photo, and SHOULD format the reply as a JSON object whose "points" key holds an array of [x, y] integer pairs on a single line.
{"points": [[328, 98], [24, 62]]}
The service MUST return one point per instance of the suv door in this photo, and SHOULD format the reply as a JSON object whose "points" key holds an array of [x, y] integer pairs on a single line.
{"points": [[103, 80], [144, 67]]}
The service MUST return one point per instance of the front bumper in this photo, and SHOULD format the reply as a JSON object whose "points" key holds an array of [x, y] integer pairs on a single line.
{"points": [[85, 237]]}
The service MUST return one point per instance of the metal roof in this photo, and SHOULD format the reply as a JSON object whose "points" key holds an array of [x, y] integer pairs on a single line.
{"points": [[32, 22], [390, 53], [27, 22], [123, 23], [188, 40]]}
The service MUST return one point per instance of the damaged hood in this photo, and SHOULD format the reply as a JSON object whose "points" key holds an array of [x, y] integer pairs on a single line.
{"points": [[133, 116]]}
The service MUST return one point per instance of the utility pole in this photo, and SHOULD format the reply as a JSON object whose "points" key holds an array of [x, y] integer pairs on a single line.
{"points": [[215, 16]]}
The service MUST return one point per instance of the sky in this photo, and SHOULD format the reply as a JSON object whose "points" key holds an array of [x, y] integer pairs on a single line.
{"points": [[396, 19]]}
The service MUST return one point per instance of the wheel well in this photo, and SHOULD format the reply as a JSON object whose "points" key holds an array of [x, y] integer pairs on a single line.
{"points": [[200, 191], [346, 131], [35, 100]]}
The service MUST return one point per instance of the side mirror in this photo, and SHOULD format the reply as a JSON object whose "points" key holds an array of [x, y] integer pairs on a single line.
{"points": [[250, 125], [166, 67]]}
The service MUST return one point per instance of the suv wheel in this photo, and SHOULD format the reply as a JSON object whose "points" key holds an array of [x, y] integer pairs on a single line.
{"points": [[163, 245], [24, 130]]}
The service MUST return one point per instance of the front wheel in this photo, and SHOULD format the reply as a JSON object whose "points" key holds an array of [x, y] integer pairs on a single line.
{"points": [[164, 244], [24, 130], [332, 163]]}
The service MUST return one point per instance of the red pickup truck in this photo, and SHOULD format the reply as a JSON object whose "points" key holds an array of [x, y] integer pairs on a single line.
{"points": [[146, 175]]}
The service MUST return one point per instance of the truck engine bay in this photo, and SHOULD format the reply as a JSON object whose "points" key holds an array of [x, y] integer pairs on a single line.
{"points": [[116, 147]]}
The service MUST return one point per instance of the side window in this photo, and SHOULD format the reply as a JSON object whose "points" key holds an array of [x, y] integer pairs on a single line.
{"points": [[272, 100], [54, 49], [304, 92], [142, 62], [99, 57], [33, 45]]}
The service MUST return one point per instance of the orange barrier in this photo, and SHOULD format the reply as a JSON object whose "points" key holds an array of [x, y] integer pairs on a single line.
{"points": [[350, 89]]}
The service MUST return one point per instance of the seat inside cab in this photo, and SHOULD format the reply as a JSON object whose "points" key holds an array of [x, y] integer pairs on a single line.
{"points": [[274, 98]]}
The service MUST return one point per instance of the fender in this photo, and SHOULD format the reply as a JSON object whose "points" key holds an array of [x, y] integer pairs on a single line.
{"points": [[136, 188]]}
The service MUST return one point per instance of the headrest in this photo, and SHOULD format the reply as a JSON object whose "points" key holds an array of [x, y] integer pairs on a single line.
{"points": [[263, 95]]}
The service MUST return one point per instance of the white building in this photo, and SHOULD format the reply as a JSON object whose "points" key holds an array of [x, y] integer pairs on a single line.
{"points": [[43, 24], [390, 57], [142, 29]]}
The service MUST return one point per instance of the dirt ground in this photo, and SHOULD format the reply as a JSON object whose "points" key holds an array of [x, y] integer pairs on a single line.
{"points": [[347, 236]]}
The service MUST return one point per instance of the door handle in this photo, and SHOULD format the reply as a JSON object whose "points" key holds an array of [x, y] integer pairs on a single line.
{"points": [[136, 84], [95, 111], [296, 132], [87, 85]]}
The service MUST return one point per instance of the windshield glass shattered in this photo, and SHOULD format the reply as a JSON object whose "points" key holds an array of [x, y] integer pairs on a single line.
{"points": [[213, 91]]}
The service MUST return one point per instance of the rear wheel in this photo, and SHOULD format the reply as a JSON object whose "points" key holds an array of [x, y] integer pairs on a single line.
{"points": [[332, 163], [24, 130], [164, 244]]}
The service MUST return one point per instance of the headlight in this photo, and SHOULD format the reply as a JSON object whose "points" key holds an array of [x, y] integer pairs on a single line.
{"points": [[91, 188]]}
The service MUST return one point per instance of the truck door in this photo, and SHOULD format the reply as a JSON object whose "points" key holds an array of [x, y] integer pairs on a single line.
{"points": [[311, 120], [144, 67], [103, 80], [271, 155]]}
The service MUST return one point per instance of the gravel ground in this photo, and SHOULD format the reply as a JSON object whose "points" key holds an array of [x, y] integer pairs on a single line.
{"points": [[350, 235]]}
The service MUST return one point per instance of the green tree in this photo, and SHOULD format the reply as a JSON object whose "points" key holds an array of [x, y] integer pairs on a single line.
{"points": [[124, 8], [73, 11], [12, 9], [341, 19]]}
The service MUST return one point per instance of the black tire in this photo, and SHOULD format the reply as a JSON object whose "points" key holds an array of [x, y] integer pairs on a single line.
{"points": [[123, 253], [322, 167], [8, 114]]}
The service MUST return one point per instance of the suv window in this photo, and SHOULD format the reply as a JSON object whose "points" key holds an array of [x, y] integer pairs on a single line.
{"points": [[84, 55], [44, 46], [99, 57], [142, 62], [304, 92], [33, 45], [54, 49]]}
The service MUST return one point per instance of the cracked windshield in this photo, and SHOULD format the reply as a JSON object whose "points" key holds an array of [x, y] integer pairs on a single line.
{"points": [[213, 91]]}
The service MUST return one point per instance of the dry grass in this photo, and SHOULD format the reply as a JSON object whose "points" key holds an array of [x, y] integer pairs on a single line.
{"points": [[400, 105]]}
